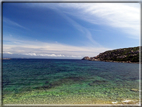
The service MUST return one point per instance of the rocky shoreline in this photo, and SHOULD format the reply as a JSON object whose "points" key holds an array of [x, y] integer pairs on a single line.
{"points": [[124, 55]]}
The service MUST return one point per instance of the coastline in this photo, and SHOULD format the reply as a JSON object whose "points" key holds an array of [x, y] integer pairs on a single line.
{"points": [[124, 55], [5, 58], [116, 61]]}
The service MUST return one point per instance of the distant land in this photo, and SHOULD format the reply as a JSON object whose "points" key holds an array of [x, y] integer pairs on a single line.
{"points": [[129, 55], [6, 58]]}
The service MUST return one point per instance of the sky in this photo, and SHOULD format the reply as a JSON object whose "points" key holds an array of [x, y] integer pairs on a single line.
{"points": [[68, 30]]}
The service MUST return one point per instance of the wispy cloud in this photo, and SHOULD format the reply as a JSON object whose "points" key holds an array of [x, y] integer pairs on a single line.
{"points": [[8, 21], [37, 48], [80, 28], [124, 16]]}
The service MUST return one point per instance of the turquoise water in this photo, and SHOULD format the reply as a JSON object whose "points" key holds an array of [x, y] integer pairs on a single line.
{"points": [[62, 81]]}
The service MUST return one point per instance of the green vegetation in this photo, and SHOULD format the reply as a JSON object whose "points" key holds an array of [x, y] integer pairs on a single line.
{"points": [[121, 55], [125, 54]]}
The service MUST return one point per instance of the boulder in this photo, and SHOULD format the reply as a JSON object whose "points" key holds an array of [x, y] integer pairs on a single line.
{"points": [[86, 58], [135, 90]]}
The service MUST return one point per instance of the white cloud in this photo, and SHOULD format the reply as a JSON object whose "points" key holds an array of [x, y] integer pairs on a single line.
{"points": [[51, 55], [37, 48], [7, 52], [31, 54]]}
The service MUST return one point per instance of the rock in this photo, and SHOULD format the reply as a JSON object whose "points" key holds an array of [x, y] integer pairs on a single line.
{"points": [[90, 58], [97, 82], [127, 101], [60, 82], [77, 78], [134, 90], [114, 102], [86, 58]]}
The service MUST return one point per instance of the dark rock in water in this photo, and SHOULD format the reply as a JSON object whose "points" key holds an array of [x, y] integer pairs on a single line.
{"points": [[76, 78], [86, 58], [97, 82], [47, 82], [67, 80], [90, 58], [49, 85], [134, 78], [134, 90]]}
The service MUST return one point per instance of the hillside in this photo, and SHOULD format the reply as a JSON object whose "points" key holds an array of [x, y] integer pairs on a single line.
{"points": [[117, 55]]}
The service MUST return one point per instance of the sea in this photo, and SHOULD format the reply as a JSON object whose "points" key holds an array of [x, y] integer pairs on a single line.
{"points": [[69, 81]]}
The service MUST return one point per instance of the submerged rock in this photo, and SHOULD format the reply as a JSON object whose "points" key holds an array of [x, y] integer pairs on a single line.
{"points": [[134, 78], [135, 90], [66, 80], [75, 78], [97, 82]]}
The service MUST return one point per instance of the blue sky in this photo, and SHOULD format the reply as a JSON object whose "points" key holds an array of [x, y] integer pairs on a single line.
{"points": [[68, 30]]}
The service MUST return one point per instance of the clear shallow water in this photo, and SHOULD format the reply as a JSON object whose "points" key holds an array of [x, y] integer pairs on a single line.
{"points": [[56, 81]]}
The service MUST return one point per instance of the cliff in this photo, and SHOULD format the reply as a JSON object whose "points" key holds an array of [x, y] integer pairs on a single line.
{"points": [[118, 55]]}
